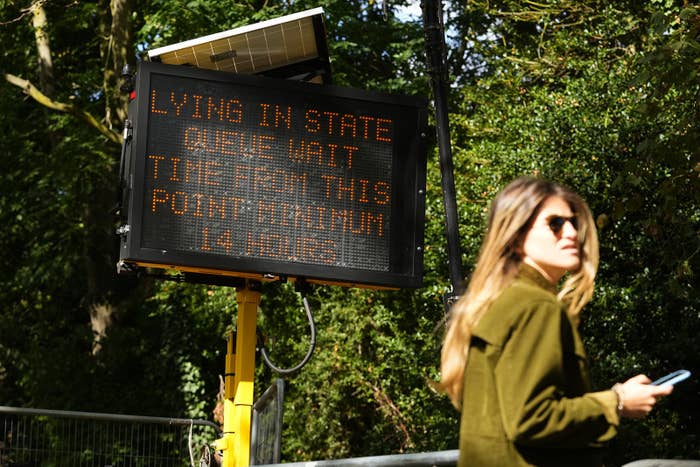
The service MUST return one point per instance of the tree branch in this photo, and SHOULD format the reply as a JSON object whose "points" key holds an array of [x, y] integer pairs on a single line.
{"points": [[33, 92], [389, 408]]}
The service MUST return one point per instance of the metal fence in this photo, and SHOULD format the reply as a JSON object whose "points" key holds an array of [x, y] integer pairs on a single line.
{"points": [[54, 438]]}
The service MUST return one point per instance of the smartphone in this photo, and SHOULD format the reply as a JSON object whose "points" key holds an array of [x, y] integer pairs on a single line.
{"points": [[672, 378]]}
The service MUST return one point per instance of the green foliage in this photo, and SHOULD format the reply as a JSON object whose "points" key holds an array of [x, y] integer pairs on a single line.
{"points": [[599, 95], [166, 22], [604, 99], [367, 385]]}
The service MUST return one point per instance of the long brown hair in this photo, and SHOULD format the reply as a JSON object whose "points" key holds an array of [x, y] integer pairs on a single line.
{"points": [[511, 215]]}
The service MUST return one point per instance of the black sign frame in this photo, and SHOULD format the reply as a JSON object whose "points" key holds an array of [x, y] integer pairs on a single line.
{"points": [[408, 116]]}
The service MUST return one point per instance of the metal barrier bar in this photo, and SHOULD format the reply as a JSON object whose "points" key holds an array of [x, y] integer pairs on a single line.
{"points": [[66, 438], [423, 459], [107, 417]]}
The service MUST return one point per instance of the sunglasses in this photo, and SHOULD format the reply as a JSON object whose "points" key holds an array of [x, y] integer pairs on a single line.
{"points": [[556, 223]]}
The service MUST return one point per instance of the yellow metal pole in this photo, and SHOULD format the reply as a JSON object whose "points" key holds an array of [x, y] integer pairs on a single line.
{"points": [[238, 384], [248, 302]]}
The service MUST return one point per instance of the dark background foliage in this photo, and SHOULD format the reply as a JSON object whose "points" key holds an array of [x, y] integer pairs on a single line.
{"points": [[602, 96]]}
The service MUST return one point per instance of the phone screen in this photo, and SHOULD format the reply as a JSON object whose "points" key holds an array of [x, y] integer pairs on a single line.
{"points": [[672, 378]]}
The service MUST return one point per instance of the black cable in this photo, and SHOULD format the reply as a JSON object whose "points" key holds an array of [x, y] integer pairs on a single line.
{"points": [[312, 345]]}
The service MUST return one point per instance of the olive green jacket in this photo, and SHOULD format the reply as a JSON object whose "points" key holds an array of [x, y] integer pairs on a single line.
{"points": [[527, 398]]}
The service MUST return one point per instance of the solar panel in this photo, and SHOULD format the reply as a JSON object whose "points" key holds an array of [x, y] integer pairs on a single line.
{"points": [[292, 46]]}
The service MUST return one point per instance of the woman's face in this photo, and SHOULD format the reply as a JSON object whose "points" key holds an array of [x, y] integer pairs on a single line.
{"points": [[551, 245]]}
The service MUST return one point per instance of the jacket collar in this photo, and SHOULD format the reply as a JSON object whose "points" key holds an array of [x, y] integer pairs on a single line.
{"points": [[531, 275]]}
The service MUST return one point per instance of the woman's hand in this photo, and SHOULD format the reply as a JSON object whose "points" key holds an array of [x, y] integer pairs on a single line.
{"points": [[637, 396]]}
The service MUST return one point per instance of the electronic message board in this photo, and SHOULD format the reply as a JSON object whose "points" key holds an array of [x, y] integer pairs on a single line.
{"points": [[245, 175]]}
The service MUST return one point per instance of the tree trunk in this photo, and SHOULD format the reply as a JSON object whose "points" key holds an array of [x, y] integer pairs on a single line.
{"points": [[43, 47], [117, 52], [100, 244]]}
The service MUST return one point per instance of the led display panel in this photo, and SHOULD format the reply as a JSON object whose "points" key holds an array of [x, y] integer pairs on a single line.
{"points": [[245, 175]]}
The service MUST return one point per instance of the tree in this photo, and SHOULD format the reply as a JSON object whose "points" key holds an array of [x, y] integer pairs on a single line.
{"points": [[67, 318], [62, 298], [601, 97]]}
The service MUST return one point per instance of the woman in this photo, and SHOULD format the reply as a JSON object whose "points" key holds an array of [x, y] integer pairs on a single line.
{"points": [[512, 359]]}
